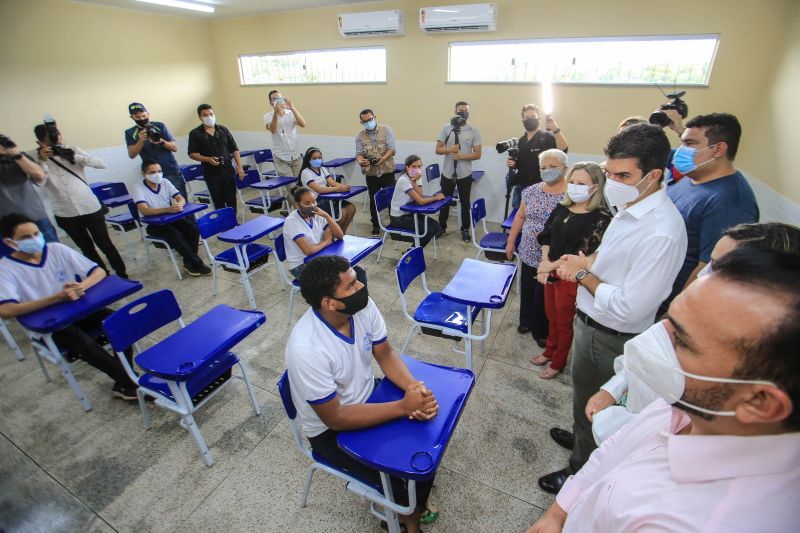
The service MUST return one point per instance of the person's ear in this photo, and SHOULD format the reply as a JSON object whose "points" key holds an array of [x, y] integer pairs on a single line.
{"points": [[764, 404], [721, 149], [10, 243]]}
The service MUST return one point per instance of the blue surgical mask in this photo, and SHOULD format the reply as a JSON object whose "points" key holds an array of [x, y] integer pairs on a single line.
{"points": [[551, 175], [684, 159], [316, 163], [31, 246], [370, 124]]}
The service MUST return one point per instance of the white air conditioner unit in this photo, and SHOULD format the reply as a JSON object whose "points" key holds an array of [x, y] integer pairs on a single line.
{"points": [[469, 17], [372, 24]]}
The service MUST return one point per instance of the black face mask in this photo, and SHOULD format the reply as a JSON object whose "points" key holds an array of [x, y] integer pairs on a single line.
{"points": [[355, 302], [531, 124], [142, 122], [463, 114]]}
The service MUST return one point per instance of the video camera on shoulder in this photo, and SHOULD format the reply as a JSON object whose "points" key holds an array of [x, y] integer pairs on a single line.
{"points": [[659, 118], [53, 134]]}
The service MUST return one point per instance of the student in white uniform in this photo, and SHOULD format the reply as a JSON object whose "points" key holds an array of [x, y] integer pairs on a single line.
{"points": [[329, 354], [157, 196], [314, 176], [407, 189], [37, 275], [307, 230]]}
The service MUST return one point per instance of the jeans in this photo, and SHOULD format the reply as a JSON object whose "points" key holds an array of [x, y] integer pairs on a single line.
{"points": [[464, 189], [374, 184], [181, 235], [86, 231], [48, 231], [407, 222]]}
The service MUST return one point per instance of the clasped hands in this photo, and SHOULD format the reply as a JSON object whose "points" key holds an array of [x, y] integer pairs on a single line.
{"points": [[419, 402]]}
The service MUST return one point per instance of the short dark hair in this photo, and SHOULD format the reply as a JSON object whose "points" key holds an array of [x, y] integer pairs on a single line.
{"points": [[320, 277], [40, 130], [646, 143], [461, 102], [773, 356], [203, 107], [269, 94], [365, 111], [299, 191], [766, 236], [147, 163], [720, 127], [9, 223]]}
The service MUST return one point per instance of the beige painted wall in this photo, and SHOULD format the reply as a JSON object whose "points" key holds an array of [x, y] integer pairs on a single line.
{"points": [[415, 101], [84, 64]]}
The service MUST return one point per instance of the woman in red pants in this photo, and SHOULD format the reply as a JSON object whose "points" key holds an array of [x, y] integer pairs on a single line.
{"points": [[576, 225]]}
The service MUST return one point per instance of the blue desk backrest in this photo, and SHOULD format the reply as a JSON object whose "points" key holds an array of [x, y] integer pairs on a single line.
{"points": [[250, 177], [383, 198], [140, 318], [432, 172], [410, 265], [285, 390], [192, 172], [478, 211], [262, 155], [110, 190], [280, 248], [216, 222]]}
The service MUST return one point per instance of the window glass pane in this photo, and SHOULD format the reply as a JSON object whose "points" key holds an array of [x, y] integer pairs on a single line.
{"points": [[345, 65], [681, 60]]}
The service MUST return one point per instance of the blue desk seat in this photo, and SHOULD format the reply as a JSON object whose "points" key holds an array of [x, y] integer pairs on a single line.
{"points": [[383, 201], [256, 255], [436, 310], [265, 204], [201, 384], [493, 243]]}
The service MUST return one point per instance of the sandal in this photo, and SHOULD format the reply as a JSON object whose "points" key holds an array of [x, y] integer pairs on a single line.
{"points": [[540, 360], [549, 373], [429, 514]]}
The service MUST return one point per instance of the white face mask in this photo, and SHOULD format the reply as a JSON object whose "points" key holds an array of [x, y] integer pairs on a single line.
{"points": [[579, 193], [620, 194], [650, 356], [155, 177], [209, 120]]}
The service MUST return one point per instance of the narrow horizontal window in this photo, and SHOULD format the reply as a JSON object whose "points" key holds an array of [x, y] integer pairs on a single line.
{"points": [[340, 65], [674, 59]]}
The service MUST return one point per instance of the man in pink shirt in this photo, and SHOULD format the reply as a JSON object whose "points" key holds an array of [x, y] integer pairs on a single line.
{"points": [[721, 450]]}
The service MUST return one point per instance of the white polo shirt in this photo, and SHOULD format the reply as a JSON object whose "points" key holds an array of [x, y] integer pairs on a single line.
{"points": [[309, 176], [284, 140], [640, 254], [295, 227], [22, 282], [324, 364], [400, 197], [161, 197]]}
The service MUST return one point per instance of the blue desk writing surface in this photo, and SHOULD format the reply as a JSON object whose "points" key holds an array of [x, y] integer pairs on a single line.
{"points": [[117, 201], [481, 283], [507, 223], [354, 191], [412, 449], [190, 348], [352, 248], [274, 183], [338, 162], [188, 210], [252, 230], [58, 316], [427, 209]]}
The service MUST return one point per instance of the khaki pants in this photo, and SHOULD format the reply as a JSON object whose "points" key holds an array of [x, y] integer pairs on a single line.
{"points": [[287, 168]]}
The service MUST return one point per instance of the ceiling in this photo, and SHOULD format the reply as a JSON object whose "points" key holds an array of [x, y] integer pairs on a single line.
{"points": [[228, 8]]}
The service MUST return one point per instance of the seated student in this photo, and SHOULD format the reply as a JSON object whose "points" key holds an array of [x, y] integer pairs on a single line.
{"points": [[308, 229], [314, 176], [407, 189], [328, 356], [37, 275], [157, 196]]}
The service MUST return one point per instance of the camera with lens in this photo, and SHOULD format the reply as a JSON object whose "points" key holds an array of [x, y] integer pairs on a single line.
{"points": [[52, 132], [153, 133], [6, 143], [659, 118], [510, 146], [373, 161], [457, 121]]}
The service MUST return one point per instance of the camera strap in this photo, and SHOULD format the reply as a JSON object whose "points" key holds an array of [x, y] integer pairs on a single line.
{"points": [[68, 170]]}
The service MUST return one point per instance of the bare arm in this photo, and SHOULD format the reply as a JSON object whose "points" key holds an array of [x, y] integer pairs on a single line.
{"points": [[441, 149], [172, 146], [203, 159], [273, 124]]}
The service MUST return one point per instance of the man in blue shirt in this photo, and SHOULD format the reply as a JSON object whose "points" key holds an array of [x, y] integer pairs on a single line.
{"points": [[140, 143], [715, 197]]}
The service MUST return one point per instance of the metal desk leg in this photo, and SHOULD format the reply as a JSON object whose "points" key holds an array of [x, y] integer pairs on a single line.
{"points": [[66, 372], [468, 340], [243, 274], [416, 231], [391, 517], [11, 342]]}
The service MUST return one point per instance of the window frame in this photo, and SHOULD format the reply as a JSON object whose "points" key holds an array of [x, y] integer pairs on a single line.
{"points": [[612, 38], [296, 52]]}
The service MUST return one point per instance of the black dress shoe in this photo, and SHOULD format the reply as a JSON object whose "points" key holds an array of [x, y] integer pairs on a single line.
{"points": [[523, 329], [553, 482], [563, 438], [541, 343]]}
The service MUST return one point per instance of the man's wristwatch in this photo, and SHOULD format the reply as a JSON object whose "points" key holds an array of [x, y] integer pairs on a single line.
{"points": [[581, 274], [556, 131]]}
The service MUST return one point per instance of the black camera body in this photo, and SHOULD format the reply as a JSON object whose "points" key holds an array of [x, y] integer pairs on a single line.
{"points": [[153, 133], [659, 118], [510, 146], [52, 136], [373, 161], [457, 121], [7, 143]]}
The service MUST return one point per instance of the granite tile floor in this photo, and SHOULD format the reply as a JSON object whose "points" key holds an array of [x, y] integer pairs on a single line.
{"points": [[62, 469]]}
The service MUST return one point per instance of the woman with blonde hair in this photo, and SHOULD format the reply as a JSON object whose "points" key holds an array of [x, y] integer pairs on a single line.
{"points": [[575, 226]]}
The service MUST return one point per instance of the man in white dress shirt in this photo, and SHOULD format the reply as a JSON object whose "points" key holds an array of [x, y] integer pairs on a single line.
{"points": [[624, 281], [282, 123]]}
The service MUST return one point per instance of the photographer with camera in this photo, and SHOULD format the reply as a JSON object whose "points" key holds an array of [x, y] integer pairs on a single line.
{"points": [[460, 144], [17, 193], [282, 123], [153, 141], [76, 208], [523, 159], [375, 153]]}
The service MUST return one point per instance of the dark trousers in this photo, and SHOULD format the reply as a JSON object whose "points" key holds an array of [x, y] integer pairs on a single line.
{"points": [[326, 446], [407, 222], [559, 305], [90, 230], [181, 235], [593, 354], [531, 303], [374, 184], [222, 190], [78, 339], [464, 189]]}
